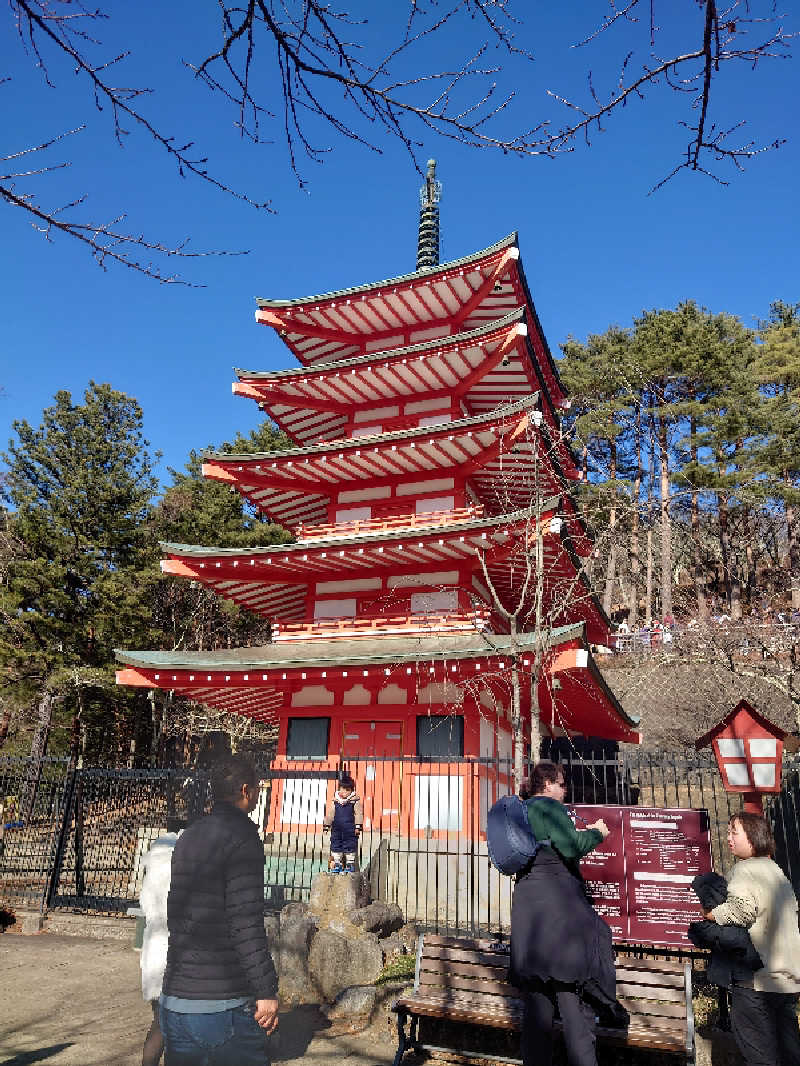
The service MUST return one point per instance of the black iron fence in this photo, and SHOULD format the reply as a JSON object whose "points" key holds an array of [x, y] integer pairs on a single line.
{"points": [[83, 845], [32, 801]]}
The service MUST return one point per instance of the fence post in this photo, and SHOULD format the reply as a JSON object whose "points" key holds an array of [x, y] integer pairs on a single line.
{"points": [[80, 885], [62, 838]]}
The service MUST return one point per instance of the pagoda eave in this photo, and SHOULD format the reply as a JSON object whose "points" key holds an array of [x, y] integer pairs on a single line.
{"points": [[395, 312], [255, 682]]}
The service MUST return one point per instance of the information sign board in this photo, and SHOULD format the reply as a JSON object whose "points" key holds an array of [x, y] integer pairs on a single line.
{"points": [[640, 877]]}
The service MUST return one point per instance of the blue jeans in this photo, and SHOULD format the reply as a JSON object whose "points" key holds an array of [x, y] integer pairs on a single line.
{"points": [[225, 1038]]}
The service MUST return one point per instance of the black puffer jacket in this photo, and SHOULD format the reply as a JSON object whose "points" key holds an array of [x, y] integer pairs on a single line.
{"points": [[733, 957], [215, 912]]}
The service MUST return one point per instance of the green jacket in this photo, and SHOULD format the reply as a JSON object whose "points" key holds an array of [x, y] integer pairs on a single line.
{"points": [[549, 820]]}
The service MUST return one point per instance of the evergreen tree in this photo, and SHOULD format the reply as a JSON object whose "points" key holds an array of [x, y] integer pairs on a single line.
{"points": [[775, 459], [76, 554], [195, 510]]}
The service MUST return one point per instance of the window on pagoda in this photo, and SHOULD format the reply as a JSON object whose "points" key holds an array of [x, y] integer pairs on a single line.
{"points": [[440, 736], [434, 602], [307, 738]]}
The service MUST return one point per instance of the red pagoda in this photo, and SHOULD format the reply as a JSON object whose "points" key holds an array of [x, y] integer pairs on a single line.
{"points": [[437, 547]]}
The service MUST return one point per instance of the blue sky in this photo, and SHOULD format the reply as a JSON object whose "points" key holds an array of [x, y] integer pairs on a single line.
{"points": [[596, 248]]}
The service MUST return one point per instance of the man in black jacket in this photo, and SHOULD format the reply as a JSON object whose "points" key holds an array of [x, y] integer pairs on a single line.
{"points": [[219, 999]]}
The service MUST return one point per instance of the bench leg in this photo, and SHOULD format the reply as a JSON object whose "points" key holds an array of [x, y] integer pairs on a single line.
{"points": [[402, 1040]]}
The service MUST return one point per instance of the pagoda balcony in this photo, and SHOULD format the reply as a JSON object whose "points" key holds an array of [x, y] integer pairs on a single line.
{"points": [[389, 523], [383, 626]]}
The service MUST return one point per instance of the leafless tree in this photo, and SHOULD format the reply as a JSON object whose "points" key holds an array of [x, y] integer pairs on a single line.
{"points": [[315, 72]]}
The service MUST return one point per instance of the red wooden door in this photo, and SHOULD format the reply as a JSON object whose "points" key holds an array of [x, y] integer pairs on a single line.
{"points": [[372, 751]]}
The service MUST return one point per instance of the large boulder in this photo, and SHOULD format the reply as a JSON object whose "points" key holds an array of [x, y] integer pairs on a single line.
{"points": [[335, 895], [393, 948], [380, 918], [297, 928], [337, 962], [272, 929], [409, 934], [352, 1009]]}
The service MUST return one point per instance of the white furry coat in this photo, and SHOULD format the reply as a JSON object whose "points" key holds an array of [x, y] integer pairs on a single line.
{"points": [[153, 901]]}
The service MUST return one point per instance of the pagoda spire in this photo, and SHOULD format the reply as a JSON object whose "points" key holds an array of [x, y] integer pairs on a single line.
{"points": [[428, 241]]}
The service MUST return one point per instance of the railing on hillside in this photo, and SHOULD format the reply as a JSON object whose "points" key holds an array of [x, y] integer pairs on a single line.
{"points": [[746, 639], [421, 846]]}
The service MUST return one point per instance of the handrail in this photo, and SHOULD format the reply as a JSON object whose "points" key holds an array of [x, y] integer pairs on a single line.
{"points": [[380, 625], [373, 525]]}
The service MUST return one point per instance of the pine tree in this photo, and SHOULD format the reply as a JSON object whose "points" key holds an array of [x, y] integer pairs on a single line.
{"points": [[76, 555]]}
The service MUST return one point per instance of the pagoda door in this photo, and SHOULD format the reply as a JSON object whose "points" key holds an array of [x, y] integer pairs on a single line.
{"points": [[372, 751]]}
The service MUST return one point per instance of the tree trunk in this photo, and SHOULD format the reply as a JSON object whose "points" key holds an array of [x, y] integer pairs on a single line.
{"points": [[666, 526], [44, 718], [648, 607], [636, 564], [611, 565], [5, 722], [725, 549], [698, 574], [794, 556]]}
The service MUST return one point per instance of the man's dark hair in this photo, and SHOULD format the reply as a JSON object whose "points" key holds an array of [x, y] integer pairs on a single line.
{"points": [[757, 830], [542, 774], [229, 774]]}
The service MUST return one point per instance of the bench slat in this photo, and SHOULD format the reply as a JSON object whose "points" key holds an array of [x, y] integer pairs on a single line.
{"points": [[636, 1007], [465, 981], [672, 995], [470, 943], [484, 958], [491, 973], [474, 984], [625, 975]]}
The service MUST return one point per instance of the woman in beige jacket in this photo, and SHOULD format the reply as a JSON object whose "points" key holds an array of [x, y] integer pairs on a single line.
{"points": [[760, 898]]}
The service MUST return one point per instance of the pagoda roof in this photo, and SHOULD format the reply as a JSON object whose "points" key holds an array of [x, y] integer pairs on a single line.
{"points": [[273, 581], [495, 450], [481, 368], [435, 301], [252, 681]]}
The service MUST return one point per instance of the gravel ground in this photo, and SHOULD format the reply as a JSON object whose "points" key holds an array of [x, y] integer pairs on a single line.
{"points": [[71, 1001]]}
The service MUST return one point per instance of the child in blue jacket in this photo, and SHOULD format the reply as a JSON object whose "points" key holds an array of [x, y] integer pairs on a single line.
{"points": [[344, 818]]}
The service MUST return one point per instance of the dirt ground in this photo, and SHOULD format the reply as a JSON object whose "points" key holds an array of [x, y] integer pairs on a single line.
{"points": [[70, 1001]]}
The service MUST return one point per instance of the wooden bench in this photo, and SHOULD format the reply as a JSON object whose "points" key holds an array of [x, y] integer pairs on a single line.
{"points": [[464, 981]]}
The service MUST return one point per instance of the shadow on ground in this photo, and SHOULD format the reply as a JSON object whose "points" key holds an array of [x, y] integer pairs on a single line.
{"points": [[298, 1027], [27, 1058]]}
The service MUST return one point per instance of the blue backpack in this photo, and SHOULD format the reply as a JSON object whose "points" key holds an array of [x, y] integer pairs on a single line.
{"points": [[509, 837]]}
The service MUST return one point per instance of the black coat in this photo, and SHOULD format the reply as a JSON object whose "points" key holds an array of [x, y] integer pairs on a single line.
{"points": [[556, 935], [215, 912], [733, 957]]}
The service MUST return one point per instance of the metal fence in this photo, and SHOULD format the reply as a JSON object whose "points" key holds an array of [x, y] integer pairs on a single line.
{"points": [[32, 798], [83, 846]]}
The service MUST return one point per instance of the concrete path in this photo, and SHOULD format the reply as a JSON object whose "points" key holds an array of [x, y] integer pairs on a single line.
{"points": [[70, 1001]]}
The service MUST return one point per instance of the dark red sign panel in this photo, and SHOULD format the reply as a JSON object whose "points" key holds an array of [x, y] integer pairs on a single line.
{"points": [[641, 876]]}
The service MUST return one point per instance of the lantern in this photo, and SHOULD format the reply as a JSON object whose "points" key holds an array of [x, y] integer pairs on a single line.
{"points": [[749, 753]]}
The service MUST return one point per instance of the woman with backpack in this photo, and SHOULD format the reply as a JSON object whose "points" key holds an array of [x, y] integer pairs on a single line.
{"points": [[561, 956]]}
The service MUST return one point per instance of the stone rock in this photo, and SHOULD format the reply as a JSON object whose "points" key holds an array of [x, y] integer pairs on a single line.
{"points": [[379, 918], [334, 896], [352, 1009], [294, 910], [409, 934], [393, 948], [336, 962], [272, 929], [294, 939]]}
